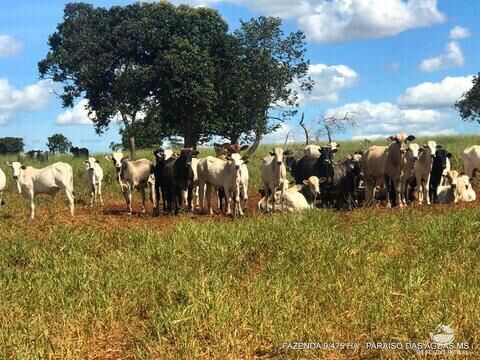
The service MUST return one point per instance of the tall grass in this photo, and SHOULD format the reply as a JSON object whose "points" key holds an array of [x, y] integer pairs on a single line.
{"points": [[210, 288]]}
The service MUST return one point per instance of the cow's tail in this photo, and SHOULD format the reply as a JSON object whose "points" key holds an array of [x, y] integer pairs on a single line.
{"points": [[1, 199]]}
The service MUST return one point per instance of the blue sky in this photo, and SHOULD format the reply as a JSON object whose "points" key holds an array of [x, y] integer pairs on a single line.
{"points": [[398, 64]]}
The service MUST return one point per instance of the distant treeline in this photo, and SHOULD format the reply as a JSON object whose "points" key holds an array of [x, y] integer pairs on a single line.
{"points": [[11, 145]]}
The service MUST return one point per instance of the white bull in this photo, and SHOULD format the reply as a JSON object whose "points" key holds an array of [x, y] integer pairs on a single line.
{"points": [[48, 180]]}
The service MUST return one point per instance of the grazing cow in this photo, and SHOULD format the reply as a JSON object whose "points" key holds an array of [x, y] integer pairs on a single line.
{"points": [[314, 150], [215, 173], [48, 180], [132, 175], [161, 156], [438, 167], [94, 176], [297, 198], [471, 160], [79, 152], [179, 177], [274, 175], [3, 183], [388, 164], [460, 189], [422, 170]]}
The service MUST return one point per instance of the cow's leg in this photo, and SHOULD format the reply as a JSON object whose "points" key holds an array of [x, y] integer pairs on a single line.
{"points": [[388, 186], [184, 195], [195, 195], [245, 196], [92, 194], [142, 191], [190, 198], [70, 200], [273, 198], [153, 197], [209, 193], [100, 192], [282, 199], [201, 188], [398, 193], [402, 193], [426, 189], [266, 195], [227, 199], [128, 199], [31, 197]]}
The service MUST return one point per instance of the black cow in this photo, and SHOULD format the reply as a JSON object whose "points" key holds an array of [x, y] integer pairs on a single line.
{"points": [[439, 164], [178, 177], [158, 171], [79, 152], [347, 176], [37, 154]]}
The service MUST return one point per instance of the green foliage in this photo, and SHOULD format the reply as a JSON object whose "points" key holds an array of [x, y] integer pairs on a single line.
{"points": [[469, 105], [11, 145], [148, 134], [58, 144]]}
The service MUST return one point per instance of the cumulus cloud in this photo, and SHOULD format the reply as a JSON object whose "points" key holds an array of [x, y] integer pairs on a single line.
{"points": [[452, 56], [335, 21], [383, 119], [78, 115], [9, 46], [459, 32], [435, 95], [329, 80], [32, 98]]}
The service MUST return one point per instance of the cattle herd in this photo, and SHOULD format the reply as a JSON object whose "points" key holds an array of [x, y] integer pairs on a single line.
{"points": [[399, 174]]}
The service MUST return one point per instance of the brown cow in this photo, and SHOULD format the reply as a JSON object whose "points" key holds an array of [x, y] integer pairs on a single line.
{"points": [[383, 164]]}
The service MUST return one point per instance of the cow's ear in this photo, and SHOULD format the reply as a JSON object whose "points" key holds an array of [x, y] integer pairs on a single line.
{"points": [[338, 145], [322, 179], [305, 182], [108, 157], [86, 161], [449, 155], [246, 161], [272, 153], [97, 161], [334, 150], [195, 152], [391, 138], [228, 158], [126, 157], [425, 146], [8, 163], [410, 138], [245, 158], [438, 146], [287, 153], [23, 167], [244, 147]]}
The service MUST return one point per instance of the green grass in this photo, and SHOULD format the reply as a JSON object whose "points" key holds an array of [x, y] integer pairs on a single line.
{"points": [[216, 288]]}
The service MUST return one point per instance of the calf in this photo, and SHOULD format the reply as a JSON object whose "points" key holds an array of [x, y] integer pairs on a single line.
{"points": [[161, 156], [132, 175], [274, 175], [438, 167], [214, 173], [297, 198], [94, 176], [388, 165], [460, 189], [49, 180], [422, 170], [347, 175], [79, 152], [179, 178], [471, 160], [3, 183]]}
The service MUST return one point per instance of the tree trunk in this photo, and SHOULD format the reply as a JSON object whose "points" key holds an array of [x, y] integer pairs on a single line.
{"points": [[133, 148], [255, 144], [302, 124], [188, 138]]}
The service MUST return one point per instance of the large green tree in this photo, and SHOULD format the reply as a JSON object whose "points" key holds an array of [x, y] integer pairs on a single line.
{"points": [[469, 104], [58, 143]]}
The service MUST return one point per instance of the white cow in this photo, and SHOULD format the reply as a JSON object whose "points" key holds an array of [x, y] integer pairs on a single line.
{"points": [[298, 197], [94, 176], [48, 180], [423, 168], [3, 183], [460, 189], [314, 150], [137, 174], [215, 173], [274, 175], [471, 160]]}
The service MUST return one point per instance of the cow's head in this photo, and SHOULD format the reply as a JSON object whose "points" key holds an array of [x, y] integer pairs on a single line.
{"points": [[441, 156], [16, 169], [401, 141], [334, 145], [326, 154], [116, 158], [220, 148], [90, 163], [186, 155], [431, 147], [313, 184], [237, 160], [415, 150], [278, 154]]}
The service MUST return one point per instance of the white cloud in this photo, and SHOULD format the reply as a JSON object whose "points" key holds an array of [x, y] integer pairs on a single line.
{"points": [[453, 56], [32, 98], [335, 21], [459, 32], [383, 119], [9, 46], [436, 95], [329, 80], [279, 136], [78, 115]]}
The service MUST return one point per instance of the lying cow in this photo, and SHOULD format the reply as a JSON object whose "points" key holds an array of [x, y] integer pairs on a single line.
{"points": [[3, 183], [460, 189], [94, 176], [79, 152], [296, 198], [49, 180], [131, 175], [471, 160]]}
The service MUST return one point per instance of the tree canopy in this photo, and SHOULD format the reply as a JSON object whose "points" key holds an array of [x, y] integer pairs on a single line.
{"points": [[469, 104], [58, 143], [179, 67]]}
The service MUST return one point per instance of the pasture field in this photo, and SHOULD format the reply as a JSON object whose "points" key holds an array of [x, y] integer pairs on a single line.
{"points": [[106, 285]]}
